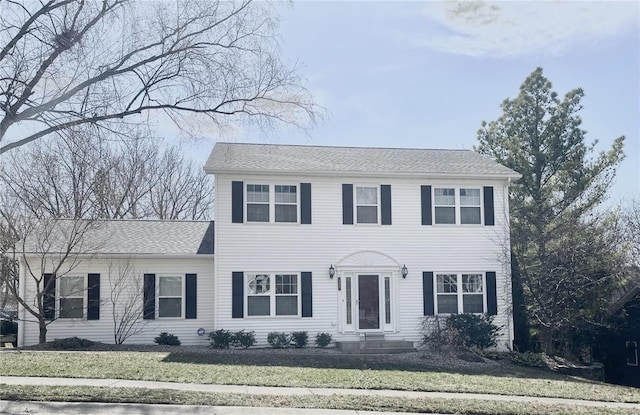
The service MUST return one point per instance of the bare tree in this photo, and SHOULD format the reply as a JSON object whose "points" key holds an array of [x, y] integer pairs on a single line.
{"points": [[126, 297], [182, 191], [65, 63], [81, 175], [49, 249]]}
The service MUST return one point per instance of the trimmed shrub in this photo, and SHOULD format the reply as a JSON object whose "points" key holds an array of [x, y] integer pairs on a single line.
{"points": [[167, 339], [244, 339], [279, 340], [221, 339], [460, 330], [299, 339], [323, 339]]}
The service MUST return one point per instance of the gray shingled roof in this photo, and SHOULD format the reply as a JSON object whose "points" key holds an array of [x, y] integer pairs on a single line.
{"points": [[126, 237], [270, 158]]}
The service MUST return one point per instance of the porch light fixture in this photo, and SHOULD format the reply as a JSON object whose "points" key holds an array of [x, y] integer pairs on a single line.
{"points": [[405, 271], [332, 271]]}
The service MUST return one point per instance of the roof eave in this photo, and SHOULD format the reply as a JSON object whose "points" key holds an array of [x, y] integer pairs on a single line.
{"points": [[348, 173]]}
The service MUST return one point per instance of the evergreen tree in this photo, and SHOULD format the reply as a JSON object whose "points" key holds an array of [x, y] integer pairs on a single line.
{"points": [[564, 249]]}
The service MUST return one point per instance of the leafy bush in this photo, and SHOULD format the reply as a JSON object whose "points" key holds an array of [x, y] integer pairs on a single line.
{"points": [[323, 339], [221, 339], [528, 359], [71, 343], [279, 340], [460, 330], [299, 338], [244, 339], [167, 339]]}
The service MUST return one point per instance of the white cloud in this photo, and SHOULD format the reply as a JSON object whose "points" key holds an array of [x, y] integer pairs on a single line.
{"points": [[508, 29]]}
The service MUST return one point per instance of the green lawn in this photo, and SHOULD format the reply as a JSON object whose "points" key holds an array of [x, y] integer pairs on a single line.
{"points": [[271, 370]]}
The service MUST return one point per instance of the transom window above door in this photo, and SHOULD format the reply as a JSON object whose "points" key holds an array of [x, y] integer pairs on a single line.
{"points": [[262, 207]]}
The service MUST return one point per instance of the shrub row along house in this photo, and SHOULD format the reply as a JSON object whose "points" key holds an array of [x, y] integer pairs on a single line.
{"points": [[348, 241]]}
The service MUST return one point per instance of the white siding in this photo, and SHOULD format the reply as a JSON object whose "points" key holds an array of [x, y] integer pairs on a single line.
{"points": [[102, 329], [262, 247]]}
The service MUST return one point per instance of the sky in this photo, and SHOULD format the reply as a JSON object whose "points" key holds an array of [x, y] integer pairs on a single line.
{"points": [[426, 74]]}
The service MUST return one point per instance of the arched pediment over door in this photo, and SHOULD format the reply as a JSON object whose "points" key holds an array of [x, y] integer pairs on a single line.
{"points": [[368, 259]]}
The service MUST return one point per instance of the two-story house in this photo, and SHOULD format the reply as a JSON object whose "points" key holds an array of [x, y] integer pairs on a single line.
{"points": [[348, 241]]}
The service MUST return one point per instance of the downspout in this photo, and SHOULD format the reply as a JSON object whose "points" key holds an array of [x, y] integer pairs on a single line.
{"points": [[510, 331], [22, 290]]}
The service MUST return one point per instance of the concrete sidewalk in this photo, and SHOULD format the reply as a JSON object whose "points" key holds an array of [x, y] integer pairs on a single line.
{"points": [[272, 391], [78, 408]]}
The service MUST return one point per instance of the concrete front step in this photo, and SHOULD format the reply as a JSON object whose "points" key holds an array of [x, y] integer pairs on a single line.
{"points": [[375, 346]]}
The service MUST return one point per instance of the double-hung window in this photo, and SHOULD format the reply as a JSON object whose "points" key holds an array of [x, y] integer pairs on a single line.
{"points": [[445, 205], [286, 203], [452, 203], [470, 206], [459, 293], [272, 294], [257, 203], [169, 296], [72, 293], [281, 208], [367, 204]]}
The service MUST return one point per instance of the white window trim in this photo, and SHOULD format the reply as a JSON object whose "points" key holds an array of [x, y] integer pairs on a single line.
{"points": [[457, 204], [272, 294], [84, 297], [459, 293], [355, 204], [272, 203], [182, 296]]}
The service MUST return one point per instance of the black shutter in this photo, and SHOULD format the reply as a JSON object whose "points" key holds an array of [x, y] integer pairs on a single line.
{"points": [[49, 296], [93, 297], [191, 294], [427, 293], [307, 294], [347, 204], [149, 297], [488, 206], [385, 204], [237, 295], [492, 299], [305, 203], [425, 197], [237, 202]]}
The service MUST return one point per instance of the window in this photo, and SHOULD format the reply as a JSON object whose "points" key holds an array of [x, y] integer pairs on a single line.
{"points": [[445, 205], [447, 289], [632, 353], [470, 206], [257, 203], [170, 296], [452, 203], [472, 297], [71, 297], [387, 300], [282, 208], [272, 295], [459, 293], [286, 203], [367, 204], [347, 283]]}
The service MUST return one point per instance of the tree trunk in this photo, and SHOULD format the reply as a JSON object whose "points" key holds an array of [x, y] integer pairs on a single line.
{"points": [[43, 332]]}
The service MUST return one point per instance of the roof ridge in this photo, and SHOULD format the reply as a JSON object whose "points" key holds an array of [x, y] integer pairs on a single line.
{"points": [[342, 147]]}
